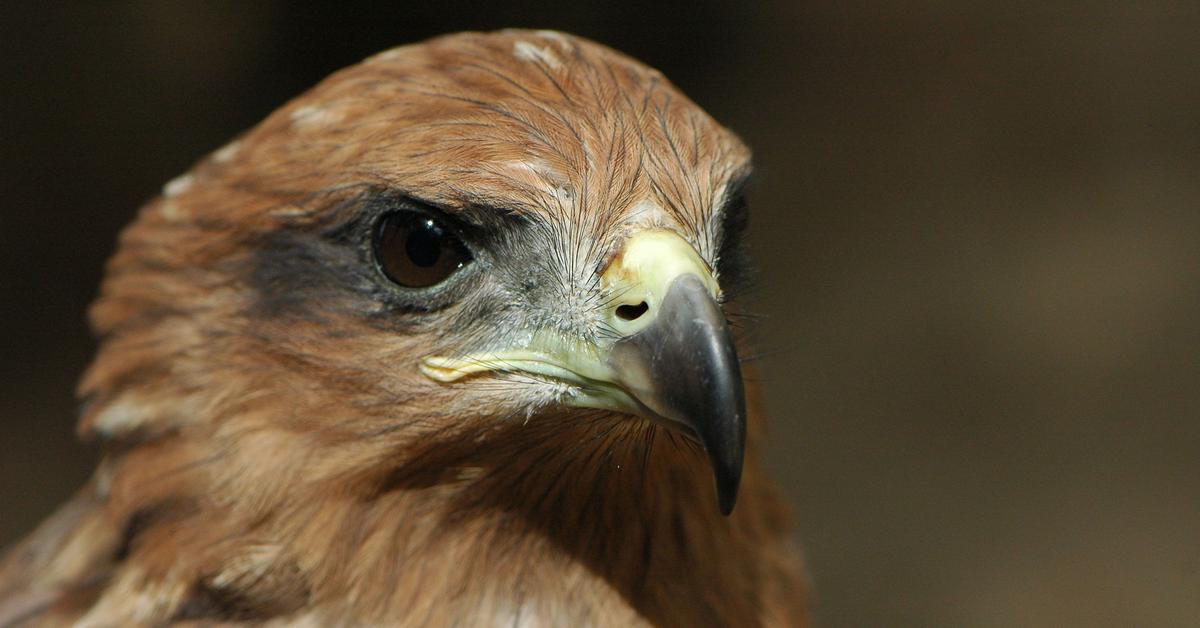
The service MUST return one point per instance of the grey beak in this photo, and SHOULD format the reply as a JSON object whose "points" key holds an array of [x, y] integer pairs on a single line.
{"points": [[683, 367]]}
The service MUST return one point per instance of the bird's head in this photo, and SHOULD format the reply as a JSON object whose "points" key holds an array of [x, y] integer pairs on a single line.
{"points": [[449, 244]]}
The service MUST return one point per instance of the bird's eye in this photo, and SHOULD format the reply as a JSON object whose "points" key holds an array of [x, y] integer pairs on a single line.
{"points": [[416, 251]]}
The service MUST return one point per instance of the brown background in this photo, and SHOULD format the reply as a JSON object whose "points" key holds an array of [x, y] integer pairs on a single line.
{"points": [[978, 229]]}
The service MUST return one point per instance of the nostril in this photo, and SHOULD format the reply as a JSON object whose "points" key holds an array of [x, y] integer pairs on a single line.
{"points": [[632, 312]]}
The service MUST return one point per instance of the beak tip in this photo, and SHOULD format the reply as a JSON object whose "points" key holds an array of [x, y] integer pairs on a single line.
{"points": [[726, 499], [727, 474]]}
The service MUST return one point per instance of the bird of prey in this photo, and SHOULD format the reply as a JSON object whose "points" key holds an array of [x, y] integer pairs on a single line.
{"points": [[444, 341]]}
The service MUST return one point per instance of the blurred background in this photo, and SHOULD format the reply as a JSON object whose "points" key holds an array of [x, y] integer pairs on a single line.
{"points": [[977, 223]]}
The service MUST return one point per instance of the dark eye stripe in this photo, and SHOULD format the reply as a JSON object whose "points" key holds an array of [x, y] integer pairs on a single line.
{"points": [[733, 265]]}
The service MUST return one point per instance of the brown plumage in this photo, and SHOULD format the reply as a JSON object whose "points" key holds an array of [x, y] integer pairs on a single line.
{"points": [[275, 453]]}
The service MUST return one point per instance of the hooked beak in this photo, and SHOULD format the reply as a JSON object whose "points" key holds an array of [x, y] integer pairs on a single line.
{"points": [[673, 360], [684, 368]]}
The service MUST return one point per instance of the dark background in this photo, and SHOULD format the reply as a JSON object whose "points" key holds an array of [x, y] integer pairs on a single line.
{"points": [[978, 229]]}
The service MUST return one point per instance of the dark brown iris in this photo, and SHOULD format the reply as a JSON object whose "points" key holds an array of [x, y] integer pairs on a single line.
{"points": [[416, 251]]}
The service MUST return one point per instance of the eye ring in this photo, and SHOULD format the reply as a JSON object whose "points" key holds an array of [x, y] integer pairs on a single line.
{"points": [[415, 249]]}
